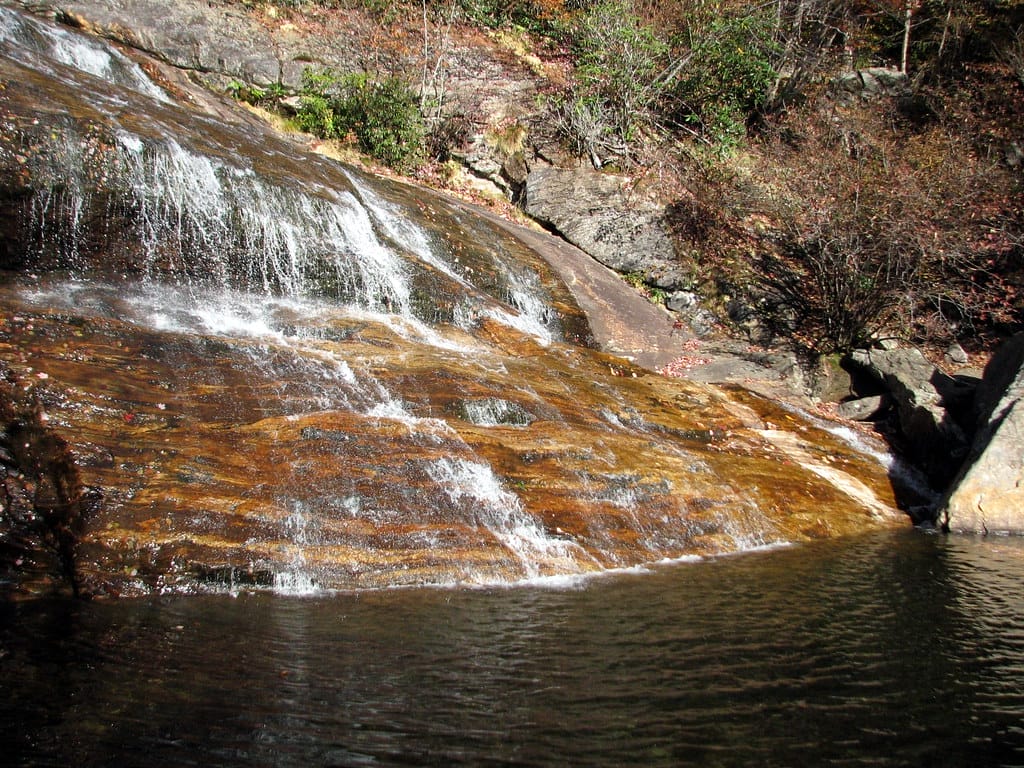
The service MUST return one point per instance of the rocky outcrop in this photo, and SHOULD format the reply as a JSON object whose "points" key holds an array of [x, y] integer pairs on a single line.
{"points": [[988, 494], [601, 214], [200, 36], [928, 405], [870, 83]]}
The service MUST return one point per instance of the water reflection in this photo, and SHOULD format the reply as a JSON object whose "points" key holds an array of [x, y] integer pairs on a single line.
{"points": [[895, 649]]}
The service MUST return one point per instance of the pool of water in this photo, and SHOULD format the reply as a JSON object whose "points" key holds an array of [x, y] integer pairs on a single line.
{"points": [[893, 649]]}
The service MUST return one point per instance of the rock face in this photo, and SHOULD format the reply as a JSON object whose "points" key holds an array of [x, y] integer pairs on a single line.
{"points": [[988, 494], [199, 36], [925, 401], [598, 213]]}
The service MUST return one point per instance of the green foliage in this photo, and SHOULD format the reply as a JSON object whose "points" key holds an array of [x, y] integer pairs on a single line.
{"points": [[639, 282], [631, 82], [383, 115], [729, 75], [253, 94], [542, 17], [619, 62]]}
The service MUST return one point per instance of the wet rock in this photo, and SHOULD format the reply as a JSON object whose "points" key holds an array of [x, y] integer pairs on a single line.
{"points": [[328, 435], [43, 503], [988, 493]]}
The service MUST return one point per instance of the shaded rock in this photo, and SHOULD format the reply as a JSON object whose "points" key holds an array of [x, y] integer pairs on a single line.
{"points": [[956, 354], [598, 213], [829, 381], [936, 442], [861, 409], [988, 493], [870, 83], [1002, 369]]}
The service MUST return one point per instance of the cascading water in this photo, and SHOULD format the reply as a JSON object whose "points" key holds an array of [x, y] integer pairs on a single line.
{"points": [[276, 371], [49, 49]]}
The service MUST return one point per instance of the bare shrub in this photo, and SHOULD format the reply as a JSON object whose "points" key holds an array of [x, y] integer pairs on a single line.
{"points": [[846, 228]]}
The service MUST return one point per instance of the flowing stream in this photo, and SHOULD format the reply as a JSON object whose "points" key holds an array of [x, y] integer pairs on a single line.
{"points": [[272, 371]]}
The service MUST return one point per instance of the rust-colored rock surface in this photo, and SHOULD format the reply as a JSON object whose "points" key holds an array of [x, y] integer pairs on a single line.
{"points": [[261, 368]]}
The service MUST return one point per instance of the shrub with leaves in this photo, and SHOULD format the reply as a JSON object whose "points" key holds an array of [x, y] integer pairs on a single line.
{"points": [[383, 115], [729, 75], [620, 63]]}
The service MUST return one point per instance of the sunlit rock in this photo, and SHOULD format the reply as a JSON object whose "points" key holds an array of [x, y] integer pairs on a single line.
{"points": [[988, 494]]}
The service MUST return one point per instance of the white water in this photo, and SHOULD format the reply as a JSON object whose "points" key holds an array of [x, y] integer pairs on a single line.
{"points": [[41, 45], [501, 512], [297, 579]]}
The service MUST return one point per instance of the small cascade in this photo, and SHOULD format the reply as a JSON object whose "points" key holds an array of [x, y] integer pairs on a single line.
{"points": [[50, 48], [223, 225], [501, 512], [495, 412]]}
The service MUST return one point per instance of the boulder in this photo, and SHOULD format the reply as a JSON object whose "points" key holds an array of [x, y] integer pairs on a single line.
{"points": [[920, 393], [602, 215], [956, 354], [861, 409], [988, 493], [869, 84]]}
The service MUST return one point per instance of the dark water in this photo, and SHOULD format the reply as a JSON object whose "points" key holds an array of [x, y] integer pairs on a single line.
{"points": [[896, 649]]}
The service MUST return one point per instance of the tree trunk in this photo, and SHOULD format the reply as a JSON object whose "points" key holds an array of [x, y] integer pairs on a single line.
{"points": [[906, 35]]}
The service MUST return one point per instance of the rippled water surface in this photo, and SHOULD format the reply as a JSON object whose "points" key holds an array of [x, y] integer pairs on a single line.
{"points": [[896, 649]]}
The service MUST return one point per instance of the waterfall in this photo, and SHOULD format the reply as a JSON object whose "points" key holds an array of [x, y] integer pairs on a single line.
{"points": [[207, 222], [284, 370]]}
